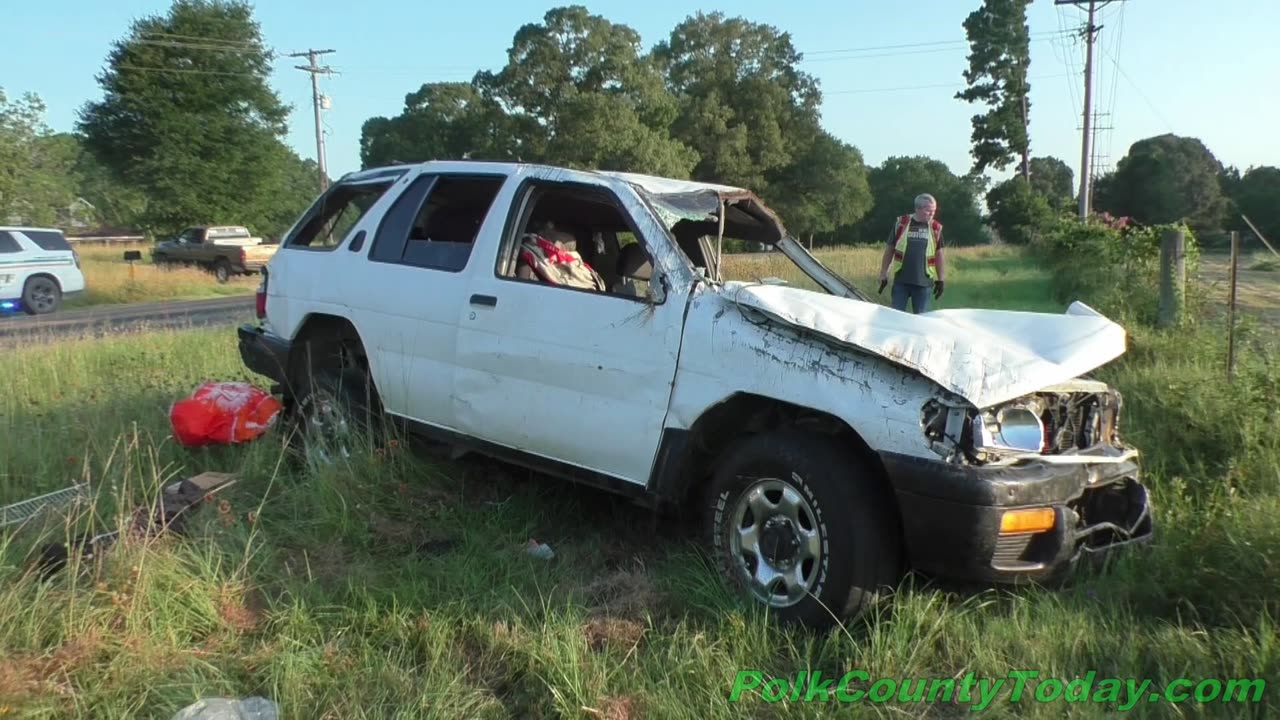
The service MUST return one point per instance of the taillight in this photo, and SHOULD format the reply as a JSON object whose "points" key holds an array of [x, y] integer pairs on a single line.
{"points": [[244, 257], [262, 296]]}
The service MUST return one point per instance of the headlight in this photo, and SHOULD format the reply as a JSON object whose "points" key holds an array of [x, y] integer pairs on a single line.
{"points": [[1016, 427]]}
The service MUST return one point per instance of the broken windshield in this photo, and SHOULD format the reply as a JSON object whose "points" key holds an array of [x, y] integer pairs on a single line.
{"points": [[694, 220]]}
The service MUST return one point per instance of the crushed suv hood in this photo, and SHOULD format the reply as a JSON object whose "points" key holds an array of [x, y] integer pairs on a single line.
{"points": [[984, 356]]}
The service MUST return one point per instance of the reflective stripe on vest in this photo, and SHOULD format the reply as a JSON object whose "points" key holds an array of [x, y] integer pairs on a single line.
{"points": [[930, 251]]}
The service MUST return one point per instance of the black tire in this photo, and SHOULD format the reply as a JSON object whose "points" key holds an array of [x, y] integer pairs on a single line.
{"points": [[858, 547], [41, 296], [326, 383], [333, 415], [222, 270]]}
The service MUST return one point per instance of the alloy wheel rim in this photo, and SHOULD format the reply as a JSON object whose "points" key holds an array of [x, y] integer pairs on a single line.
{"points": [[328, 430], [775, 542], [42, 297]]}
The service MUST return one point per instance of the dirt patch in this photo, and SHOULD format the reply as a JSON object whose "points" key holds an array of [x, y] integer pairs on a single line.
{"points": [[1257, 291], [241, 610], [615, 708], [627, 594], [613, 633], [324, 564]]}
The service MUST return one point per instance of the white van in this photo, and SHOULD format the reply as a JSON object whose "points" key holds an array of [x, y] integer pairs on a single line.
{"points": [[38, 268]]}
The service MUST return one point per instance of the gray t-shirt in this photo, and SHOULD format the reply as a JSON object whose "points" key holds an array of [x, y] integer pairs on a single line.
{"points": [[913, 270]]}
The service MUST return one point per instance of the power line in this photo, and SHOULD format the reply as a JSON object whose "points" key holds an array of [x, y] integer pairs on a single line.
{"points": [[204, 39], [961, 42], [186, 71], [1090, 33], [950, 86], [315, 70], [932, 51]]}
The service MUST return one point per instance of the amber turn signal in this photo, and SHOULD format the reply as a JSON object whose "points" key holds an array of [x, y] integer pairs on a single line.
{"points": [[1027, 521]]}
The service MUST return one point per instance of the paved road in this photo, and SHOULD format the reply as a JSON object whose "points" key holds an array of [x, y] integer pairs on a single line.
{"points": [[114, 319]]}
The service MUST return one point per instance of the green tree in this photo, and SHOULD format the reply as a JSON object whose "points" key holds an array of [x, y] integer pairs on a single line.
{"points": [[193, 124], [1168, 179], [744, 105], [896, 183], [997, 76], [35, 163], [1257, 196], [1052, 178], [441, 121], [580, 92], [825, 187], [1019, 210]]}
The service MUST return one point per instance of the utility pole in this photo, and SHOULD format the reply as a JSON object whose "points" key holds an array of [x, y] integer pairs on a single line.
{"points": [[1090, 33], [315, 70]]}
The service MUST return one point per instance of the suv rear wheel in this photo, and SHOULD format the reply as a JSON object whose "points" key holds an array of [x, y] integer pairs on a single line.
{"points": [[336, 405], [798, 525]]}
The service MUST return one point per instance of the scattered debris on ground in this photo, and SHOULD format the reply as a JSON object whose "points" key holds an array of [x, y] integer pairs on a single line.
{"points": [[169, 515], [223, 413], [29, 509], [542, 551], [253, 708]]}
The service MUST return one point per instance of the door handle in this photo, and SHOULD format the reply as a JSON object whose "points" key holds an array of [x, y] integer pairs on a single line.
{"points": [[489, 300]]}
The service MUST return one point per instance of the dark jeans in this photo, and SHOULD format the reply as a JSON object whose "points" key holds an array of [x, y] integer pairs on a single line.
{"points": [[918, 294]]}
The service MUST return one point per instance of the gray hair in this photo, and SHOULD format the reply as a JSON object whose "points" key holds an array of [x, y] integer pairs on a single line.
{"points": [[924, 199]]}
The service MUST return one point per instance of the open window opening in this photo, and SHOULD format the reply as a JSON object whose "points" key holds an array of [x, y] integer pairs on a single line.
{"points": [[331, 218], [701, 220], [577, 236]]}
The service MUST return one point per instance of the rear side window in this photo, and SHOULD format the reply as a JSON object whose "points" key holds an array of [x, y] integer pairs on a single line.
{"points": [[8, 244], [48, 240], [332, 217], [438, 231]]}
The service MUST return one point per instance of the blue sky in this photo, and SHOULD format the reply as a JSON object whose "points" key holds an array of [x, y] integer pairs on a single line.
{"points": [[1191, 67]]}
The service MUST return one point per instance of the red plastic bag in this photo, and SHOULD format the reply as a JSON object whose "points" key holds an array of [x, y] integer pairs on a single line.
{"points": [[223, 412]]}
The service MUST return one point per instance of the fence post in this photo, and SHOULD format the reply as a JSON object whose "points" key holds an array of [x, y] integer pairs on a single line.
{"points": [[1173, 272], [1231, 306]]}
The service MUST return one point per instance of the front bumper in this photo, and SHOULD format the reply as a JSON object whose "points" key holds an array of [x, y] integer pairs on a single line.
{"points": [[264, 353], [951, 516]]}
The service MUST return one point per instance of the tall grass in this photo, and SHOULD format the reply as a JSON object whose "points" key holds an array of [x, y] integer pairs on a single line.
{"points": [[397, 585], [109, 280]]}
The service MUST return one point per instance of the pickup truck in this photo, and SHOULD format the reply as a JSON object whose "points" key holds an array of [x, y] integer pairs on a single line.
{"points": [[226, 250], [578, 323]]}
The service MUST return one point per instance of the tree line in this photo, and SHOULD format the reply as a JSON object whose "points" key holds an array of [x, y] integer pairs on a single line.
{"points": [[190, 132]]}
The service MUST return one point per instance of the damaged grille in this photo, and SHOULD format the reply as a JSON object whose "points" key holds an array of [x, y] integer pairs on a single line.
{"points": [[1114, 513], [1076, 421]]}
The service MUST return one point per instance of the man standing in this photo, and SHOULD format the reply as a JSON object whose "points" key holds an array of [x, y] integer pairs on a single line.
{"points": [[915, 249]]}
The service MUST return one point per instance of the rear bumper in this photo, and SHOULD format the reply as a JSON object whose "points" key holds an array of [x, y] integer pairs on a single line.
{"points": [[951, 517], [264, 353]]}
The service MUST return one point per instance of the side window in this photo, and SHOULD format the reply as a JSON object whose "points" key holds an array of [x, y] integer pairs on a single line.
{"points": [[48, 240], [328, 221], [577, 237], [8, 244], [435, 221]]}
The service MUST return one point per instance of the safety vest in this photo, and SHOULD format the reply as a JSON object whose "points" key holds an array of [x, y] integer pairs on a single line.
{"points": [[930, 252]]}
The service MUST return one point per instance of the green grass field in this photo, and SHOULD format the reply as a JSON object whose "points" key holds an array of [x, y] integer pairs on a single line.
{"points": [[109, 280], [976, 277], [398, 587]]}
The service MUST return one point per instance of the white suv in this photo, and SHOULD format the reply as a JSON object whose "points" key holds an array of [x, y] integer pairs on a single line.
{"points": [[38, 268], [829, 443]]}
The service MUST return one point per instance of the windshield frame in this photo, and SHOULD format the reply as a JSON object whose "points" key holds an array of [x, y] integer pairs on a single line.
{"points": [[740, 215]]}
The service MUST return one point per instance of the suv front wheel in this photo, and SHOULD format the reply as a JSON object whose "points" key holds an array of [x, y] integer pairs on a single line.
{"points": [[797, 525], [41, 296]]}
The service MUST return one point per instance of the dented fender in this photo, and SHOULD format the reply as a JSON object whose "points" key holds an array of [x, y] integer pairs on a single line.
{"points": [[881, 401]]}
